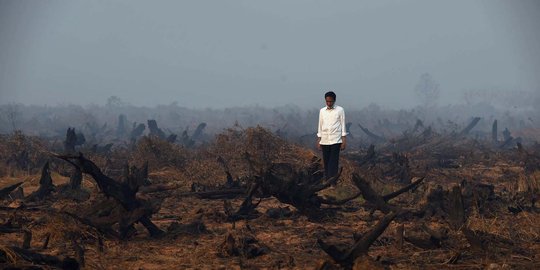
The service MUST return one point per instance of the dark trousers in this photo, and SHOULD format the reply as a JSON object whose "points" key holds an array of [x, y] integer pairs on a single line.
{"points": [[330, 155]]}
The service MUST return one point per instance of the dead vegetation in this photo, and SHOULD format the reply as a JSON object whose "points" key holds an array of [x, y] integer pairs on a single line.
{"points": [[250, 199]]}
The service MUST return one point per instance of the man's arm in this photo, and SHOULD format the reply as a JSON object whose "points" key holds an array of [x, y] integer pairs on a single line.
{"points": [[343, 131], [319, 132]]}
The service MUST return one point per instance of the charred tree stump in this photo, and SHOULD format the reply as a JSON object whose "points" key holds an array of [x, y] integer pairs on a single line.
{"points": [[186, 140], [75, 179], [154, 130], [46, 186], [347, 257], [71, 139], [494, 138], [457, 209], [297, 188], [136, 131], [73, 190], [121, 129], [123, 193]]}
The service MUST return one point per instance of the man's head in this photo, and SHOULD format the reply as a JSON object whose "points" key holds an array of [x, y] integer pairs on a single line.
{"points": [[330, 98]]}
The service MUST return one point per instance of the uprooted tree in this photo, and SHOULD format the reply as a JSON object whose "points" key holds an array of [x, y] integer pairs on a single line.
{"points": [[123, 193]]}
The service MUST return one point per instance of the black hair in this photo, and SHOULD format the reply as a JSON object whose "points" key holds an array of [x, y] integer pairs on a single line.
{"points": [[330, 94]]}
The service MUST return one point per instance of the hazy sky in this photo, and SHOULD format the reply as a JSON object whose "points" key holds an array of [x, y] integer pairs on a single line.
{"points": [[235, 53]]}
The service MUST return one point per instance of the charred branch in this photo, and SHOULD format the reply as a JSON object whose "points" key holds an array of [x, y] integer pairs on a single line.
{"points": [[4, 192], [374, 137], [469, 127], [346, 257], [377, 201]]}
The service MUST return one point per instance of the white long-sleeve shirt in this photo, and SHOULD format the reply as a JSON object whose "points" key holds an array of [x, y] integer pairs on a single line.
{"points": [[331, 125]]}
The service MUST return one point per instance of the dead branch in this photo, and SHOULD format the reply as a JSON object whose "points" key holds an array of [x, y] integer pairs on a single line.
{"points": [[347, 257], [373, 136], [7, 190], [469, 127]]}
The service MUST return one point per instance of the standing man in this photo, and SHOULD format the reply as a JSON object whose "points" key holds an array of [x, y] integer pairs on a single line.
{"points": [[331, 134]]}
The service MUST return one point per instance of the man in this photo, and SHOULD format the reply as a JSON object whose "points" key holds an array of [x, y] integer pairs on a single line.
{"points": [[331, 134]]}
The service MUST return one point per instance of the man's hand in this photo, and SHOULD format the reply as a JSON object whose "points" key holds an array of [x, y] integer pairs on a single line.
{"points": [[343, 143], [319, 144]]}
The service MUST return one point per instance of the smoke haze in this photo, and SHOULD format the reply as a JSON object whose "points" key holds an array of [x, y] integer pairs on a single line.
{"points": [[218, 54]]}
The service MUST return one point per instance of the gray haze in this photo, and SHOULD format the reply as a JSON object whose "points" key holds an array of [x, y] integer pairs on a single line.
{"points": [[271, 53]]}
